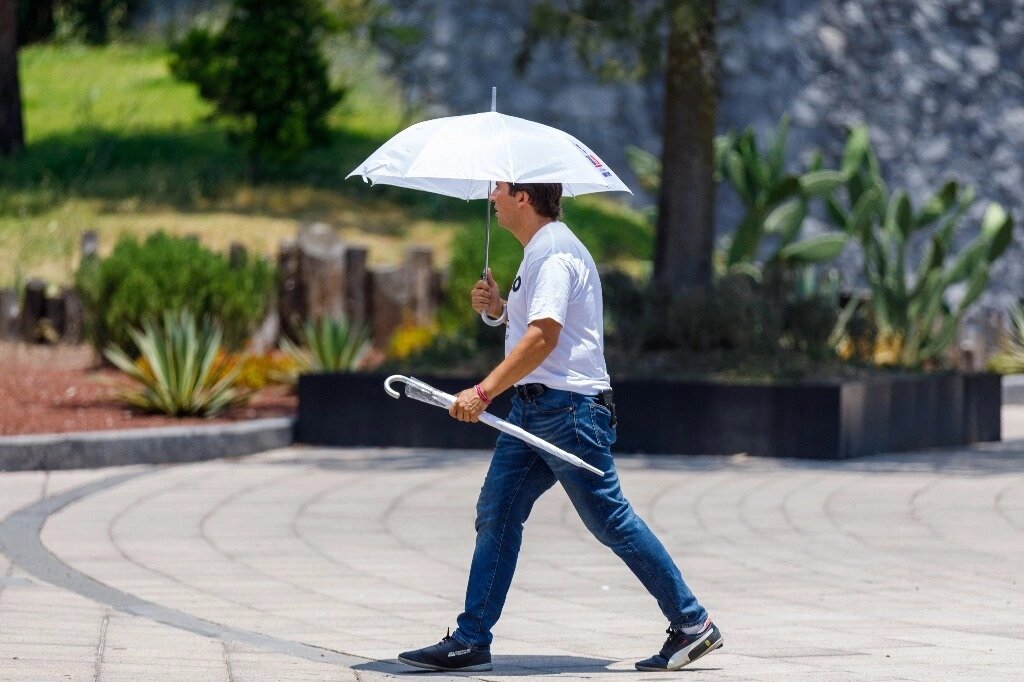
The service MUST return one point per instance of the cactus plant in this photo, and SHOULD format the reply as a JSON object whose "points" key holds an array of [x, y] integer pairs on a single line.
{"points": [[915, 320], [776, 202]]}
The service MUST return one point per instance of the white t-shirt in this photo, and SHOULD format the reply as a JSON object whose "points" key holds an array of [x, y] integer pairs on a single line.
{"points": [[558, 279]]}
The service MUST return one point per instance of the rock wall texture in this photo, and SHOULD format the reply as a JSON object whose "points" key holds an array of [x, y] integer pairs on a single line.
{"points": [[940, 83]]}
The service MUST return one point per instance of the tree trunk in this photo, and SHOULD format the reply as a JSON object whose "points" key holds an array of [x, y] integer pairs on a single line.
{"points": [[12, 135], [686, 205]]}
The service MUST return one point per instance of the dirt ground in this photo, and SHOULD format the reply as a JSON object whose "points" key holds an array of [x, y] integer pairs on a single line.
{"points": [[59, 389]]}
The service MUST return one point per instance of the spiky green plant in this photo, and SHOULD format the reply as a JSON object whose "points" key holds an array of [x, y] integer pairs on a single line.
{"points": [[329, 345], [177, 372], [1010, 358]]}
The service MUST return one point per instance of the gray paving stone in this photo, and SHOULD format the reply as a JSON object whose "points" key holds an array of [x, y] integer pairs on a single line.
{"points": [[869, 569]]}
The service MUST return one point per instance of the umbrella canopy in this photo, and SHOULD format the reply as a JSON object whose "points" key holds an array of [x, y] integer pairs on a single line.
{"points": [[460, 156]]}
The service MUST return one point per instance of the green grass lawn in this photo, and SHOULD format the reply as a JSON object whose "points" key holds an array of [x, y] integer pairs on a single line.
{"points": [[116, 144]]}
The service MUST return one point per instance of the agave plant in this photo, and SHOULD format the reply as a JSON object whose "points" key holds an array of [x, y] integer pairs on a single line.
{"points": [[176, 370], [1010, 358], [328, 345]]}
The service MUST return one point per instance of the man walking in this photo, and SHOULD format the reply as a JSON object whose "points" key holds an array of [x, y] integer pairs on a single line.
{"points": [[554, 360]]}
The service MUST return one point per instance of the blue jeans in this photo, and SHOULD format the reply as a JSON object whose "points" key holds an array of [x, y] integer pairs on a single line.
{"points": [[518, 475]]}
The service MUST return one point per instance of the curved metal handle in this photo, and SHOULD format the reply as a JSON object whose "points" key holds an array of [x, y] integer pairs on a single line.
{"points": [[387, 384]]}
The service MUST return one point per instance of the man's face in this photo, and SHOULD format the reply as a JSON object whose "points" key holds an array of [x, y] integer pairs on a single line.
{"points": [[504, 204]]}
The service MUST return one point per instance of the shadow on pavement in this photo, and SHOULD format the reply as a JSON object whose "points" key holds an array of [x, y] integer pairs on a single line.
{"points": [[518, 666]]}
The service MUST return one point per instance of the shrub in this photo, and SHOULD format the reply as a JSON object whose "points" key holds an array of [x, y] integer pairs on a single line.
{"points": [[168, 274], [737, 314], [177, 370]]}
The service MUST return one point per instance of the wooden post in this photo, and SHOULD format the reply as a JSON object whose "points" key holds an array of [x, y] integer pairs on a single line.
{"points": [[9, 310], [237, 255], [321, 266], [74, 316], [53, 313], [90, 247], [33, 309], [355, 286], [291, 306], [389, 293], [419, 268]]}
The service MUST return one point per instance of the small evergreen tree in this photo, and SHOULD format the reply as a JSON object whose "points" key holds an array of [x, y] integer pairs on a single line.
{"points": [[265, 70]]}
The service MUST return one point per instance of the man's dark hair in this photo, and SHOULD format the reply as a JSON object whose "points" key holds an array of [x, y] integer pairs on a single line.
{"points": [[546, 198]]}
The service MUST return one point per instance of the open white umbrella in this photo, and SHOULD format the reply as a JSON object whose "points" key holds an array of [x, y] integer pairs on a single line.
{"points": [[463, 156]]}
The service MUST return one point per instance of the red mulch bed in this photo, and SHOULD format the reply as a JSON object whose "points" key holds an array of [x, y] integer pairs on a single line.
{"points": [[59, 389]]}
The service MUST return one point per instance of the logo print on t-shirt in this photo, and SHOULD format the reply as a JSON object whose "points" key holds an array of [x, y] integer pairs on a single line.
{"points": [[517, 283]]}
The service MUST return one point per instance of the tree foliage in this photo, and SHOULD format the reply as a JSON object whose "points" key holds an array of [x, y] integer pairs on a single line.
{"points": [[266, 71], [616, 40]]}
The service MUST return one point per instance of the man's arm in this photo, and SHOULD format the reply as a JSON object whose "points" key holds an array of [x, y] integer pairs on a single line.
{"points": [[540, 339]]}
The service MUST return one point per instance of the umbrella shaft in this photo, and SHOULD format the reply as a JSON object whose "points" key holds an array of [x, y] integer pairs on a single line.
{"points": [[487, 204], [487, 234]]}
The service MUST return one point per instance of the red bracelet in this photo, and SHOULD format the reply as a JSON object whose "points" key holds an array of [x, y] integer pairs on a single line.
{"points": [[482, 395]]}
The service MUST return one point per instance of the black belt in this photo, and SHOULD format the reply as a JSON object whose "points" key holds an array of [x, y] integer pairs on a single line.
{"points": [[530, 391]]}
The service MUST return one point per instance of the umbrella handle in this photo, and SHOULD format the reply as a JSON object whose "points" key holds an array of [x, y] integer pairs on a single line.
{"points": [[387, 385], [491, 322]]}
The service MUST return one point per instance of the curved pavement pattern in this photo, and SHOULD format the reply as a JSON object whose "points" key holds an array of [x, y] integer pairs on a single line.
{"points": [[324, 564]]}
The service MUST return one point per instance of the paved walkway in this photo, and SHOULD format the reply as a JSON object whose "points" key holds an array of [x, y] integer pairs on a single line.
{"points": [[324, 564]]}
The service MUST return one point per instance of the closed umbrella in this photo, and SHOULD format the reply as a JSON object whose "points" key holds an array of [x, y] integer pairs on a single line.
{"points": [[424, 392]]}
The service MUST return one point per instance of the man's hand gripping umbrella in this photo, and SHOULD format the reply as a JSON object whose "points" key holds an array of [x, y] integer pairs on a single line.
{"points": [[418, 390]]}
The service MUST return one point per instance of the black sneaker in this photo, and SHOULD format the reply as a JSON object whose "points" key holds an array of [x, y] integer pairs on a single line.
{"points": [[448, 655], [681, 649]]}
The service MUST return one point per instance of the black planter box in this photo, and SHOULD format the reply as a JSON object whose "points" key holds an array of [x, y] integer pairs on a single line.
{"points": [[822, 421]]}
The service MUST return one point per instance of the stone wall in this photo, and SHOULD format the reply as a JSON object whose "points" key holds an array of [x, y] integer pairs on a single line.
{"points": [[939, 83]]}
